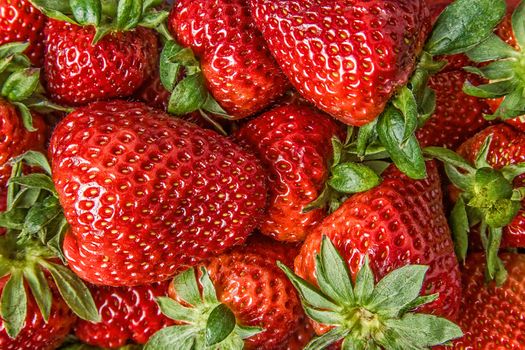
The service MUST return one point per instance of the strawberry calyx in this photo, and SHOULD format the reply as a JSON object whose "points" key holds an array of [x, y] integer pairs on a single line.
{"points": [[181, 75], [488, 199], [205, 322], [505, 73], [20, 84], [30, 248], [108, 16], [369, 315]]}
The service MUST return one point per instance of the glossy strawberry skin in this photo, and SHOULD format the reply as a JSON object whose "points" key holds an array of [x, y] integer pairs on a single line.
{"points": [[147, 195], [240, 72], [259, 294], [346, 58], [22, 22], [76, 72], [15, 139], [399, 222], [36, 333], [129, 315], [458, 116], [507, 147], [492, 317], [294, 143]]}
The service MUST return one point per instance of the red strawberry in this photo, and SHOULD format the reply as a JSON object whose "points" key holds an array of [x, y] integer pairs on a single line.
{"points": [[346, 58], [239, 70], [37, 333], [128, 314], [506, 148], [21, 22], [399, 222], [248, 286], [458, 116], [147, 195], [15, 139], [78, 72], [294, 142], [493, 317]]}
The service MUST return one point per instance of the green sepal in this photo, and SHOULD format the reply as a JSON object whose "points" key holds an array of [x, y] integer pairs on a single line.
{"points": [[406, 155], [176, 311], [448, 157], [25, 115], [327, 339], [364, 283], [34, 158], [459, 226], [188, 95], [74, 292], [353, 178], [495, 268], [40, 181], [13, 219], [186, 287], [174, 337], [492, 48], [366, 136], [13, 304], [21, 84], [405, 101], [518, 25], [57, 9], [492, 90], [220, 324], [39, 289], [26, 198], [496, 70], [463, 25], [86, 12], [40, 215], [129, 14]]}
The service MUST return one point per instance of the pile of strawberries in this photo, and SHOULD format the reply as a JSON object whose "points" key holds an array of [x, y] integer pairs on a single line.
{"points": [[262, 174]]}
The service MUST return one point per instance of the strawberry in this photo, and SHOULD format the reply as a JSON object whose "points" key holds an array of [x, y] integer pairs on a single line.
{"points": [[139, 188], [347, 59], [128, 314], [22, 22], [492, 317], [238, 68], [38, 333], [242, 290], [294, 143], [153, 93], [458, 116], [96, 52]]}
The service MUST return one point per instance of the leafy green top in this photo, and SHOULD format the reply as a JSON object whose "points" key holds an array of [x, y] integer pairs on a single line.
{"points": [[107, 15], [32, 243], [488, 199], [20, 83], [505, 73], [206, 323], [366, 315]]}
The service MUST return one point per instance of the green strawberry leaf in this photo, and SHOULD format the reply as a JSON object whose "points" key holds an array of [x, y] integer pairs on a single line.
{"points": [[458, 179], [74, 292], [14, 48], [397, 289], [188, 96], [186, 287], [323, 316], [513, 104], [492, 90], [220, 324], [427, 106], [246, 332], [26, 116], [518, 24], [33, 158], [510, 172], [148, 4], [366, 136], [39, 181], [13, 219], [25, 198], [86, 12], [497, 70], [406, 155], [353, 178], [459, 226], [419, 301], [208, 290], [463, 25], [175, 337], [448, 157], [364, 283], [176, 311], [482, 156], [327, 339], [405, 101], [153, 19], [40, 289], [21, 84], [494, 263], [129, 13], [337, 150], [13, 304], [54, 235], [493, 48], [40, 215]]}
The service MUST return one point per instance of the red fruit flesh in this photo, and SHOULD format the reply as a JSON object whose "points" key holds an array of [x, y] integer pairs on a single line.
{"points": [[259, 294], [148, 195], [507, 147], [399, 222], [36, 333], [346, 58], [493, 318], [22, 22], [76, 72], [294, 144], [129, 314], [240, 72], [458, 116]]}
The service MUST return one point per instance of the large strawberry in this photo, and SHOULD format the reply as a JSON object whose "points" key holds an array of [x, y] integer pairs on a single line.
{"points": [[38, 293], [458, 116], [238, 68], [96, 52], [492, 316], [398, 223], [347, 58], [128, 314], [246, 303], [147, 195], [295, 144], [22, 22]]}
